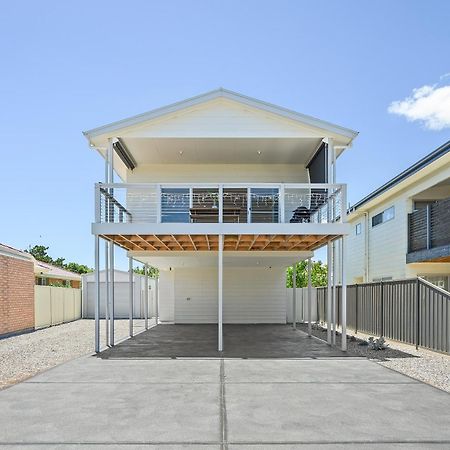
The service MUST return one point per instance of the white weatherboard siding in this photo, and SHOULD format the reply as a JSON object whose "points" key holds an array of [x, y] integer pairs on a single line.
{"points": [[250, 295], [254, 295], [166, 296], [388, 242]]}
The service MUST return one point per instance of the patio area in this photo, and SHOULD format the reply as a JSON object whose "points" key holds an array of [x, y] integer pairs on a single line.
{"points": [[240, 341]]}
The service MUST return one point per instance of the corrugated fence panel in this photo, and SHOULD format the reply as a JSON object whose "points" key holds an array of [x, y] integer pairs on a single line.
{"points": [[413, 311], [56, 305]]}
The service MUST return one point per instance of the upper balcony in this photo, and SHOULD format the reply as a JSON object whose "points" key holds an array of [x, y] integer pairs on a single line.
{"points": [[203, 207], [429, 232]]}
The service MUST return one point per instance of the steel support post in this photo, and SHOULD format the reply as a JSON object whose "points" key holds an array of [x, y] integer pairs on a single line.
{"points": [[309, 297], [220, 294], [130, 295]]}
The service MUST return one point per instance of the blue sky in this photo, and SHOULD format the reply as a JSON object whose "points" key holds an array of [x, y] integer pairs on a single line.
{"points": [[68, 67]]}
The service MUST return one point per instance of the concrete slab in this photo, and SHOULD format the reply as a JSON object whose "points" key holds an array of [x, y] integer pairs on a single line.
{"points": [[110, 413], [240, 341], [263, 403], [357, 446], [133, 446], [96, 370], [320, 413], [310, 371]]}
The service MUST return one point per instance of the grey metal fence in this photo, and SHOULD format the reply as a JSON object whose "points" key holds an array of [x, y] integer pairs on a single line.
{"points": [[412, 311]]}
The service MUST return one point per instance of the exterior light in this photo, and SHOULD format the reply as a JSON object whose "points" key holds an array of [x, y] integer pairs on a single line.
{"points": [[259, 152], [181, 152]]}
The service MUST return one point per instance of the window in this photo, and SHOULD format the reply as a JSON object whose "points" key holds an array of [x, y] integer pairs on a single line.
{"points": [[358, 228], [377, 280], [387, 214], [175, 205]]}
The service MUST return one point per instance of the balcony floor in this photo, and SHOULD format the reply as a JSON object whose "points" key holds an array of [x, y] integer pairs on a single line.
{"points": [[210, 242]]}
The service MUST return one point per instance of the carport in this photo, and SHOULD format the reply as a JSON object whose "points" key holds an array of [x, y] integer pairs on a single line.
{"points": [[240, 341]]}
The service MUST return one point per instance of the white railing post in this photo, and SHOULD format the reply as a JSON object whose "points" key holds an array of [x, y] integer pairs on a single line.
{"points": [[111, 294], [221, 203], [281, 213], [249, 206], [343, 203], [158, 203], [97, 203]]}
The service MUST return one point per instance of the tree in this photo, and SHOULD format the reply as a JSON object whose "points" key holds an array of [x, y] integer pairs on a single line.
{"points": [[153, 272], [318, 274], [39, 252]]}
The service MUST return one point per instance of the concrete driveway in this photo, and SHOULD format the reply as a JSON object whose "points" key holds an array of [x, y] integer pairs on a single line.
{"points": [[223, 403]]}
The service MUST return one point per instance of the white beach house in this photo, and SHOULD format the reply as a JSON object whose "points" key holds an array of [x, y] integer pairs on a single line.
{"points": [[220, 192], [402, 229]]}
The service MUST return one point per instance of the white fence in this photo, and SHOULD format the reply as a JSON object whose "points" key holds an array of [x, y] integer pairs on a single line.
{"points": [[55, 305], [302, 304]]}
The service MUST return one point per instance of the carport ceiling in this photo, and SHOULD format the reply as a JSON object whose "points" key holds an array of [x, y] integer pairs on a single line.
{"points": [[210, 242]]}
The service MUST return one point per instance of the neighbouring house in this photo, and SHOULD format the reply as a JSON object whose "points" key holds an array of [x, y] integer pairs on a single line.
{"points": [[121, 295], [34, 294], [402, 229], [16, 291], [50, 275], [221, 193]]}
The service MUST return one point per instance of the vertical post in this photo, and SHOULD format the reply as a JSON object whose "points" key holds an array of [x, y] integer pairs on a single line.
{"points": [[131, 296], [111, 294], [309, 298], [249, 205], [146, 296], [156, 300], [333, 297], [97, 294], [158, 203], [294, 295], [417, 313], [107, 292], [220, 296], [281, 208], [356, 309], [220, 204], [343, 298], [329, 299], [381, 308]]}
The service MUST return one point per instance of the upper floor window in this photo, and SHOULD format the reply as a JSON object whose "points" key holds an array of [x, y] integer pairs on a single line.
{"points": [[384, 216], [358, 228]]}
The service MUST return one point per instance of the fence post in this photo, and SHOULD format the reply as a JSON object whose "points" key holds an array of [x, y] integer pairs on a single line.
{"points": [[417, 313], [381, 308], [356, 309]]}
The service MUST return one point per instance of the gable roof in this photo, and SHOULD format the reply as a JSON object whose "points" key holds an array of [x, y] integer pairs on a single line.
{"points": [[227, 94], [12, 252], [419, 165]]}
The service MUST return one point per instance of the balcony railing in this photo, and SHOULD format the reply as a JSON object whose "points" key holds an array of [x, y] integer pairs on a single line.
{"points": [[220, 203], [429, 227]]}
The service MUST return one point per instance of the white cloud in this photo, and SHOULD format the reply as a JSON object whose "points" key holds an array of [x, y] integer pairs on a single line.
{"points": [[427, 104]]}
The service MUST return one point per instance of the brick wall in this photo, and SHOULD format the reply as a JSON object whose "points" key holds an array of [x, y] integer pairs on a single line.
{"points": [[16, 295]]}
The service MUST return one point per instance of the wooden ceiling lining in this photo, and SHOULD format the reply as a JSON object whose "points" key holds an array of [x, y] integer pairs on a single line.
{"points": [[210, 242]]}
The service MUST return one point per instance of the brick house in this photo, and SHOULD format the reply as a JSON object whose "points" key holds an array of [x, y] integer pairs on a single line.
{"points": [[16, 291]]}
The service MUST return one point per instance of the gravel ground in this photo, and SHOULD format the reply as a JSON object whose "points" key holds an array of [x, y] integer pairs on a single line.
{"points": [[28, 354], [424, 365]]}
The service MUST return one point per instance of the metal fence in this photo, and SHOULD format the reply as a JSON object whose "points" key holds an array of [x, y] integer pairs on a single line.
{"points": [[413, 311]]}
